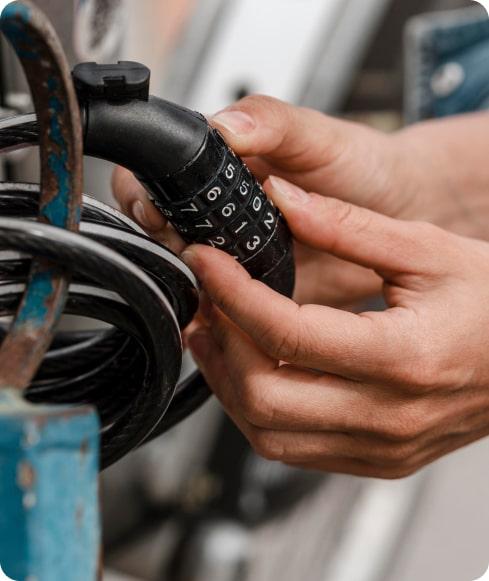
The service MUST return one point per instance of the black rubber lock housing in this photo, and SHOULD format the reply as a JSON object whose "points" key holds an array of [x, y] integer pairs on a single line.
{"points": [[193, 177]]}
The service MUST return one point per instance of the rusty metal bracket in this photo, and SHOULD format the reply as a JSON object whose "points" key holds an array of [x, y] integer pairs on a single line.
{"points": [[61, 151], [49, 455]]}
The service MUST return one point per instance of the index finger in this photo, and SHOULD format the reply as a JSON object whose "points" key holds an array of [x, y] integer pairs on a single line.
{"points": [[287, 397], [323, 338], [259, 125]]}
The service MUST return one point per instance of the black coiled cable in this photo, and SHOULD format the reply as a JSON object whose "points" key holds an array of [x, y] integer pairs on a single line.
{"points": [[18, 132], [143, 292], [129, 371]]}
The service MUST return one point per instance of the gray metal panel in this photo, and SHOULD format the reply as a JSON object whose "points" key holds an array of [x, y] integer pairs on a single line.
{"points": [[192, 50], [325, 77], [339, 58]]}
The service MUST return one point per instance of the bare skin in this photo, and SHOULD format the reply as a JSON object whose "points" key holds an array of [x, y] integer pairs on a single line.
{"points": [[433, 172], [391, 391]]}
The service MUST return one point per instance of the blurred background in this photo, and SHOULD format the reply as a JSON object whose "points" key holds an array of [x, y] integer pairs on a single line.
{"points": [[198, 505]]}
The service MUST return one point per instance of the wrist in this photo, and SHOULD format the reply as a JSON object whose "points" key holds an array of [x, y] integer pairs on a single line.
{"points": [[419, 176], [443, 179]]}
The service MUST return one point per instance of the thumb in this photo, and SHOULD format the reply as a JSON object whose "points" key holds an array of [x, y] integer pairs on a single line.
{"points": [[134, 201], [264, 126], [356, 234]]}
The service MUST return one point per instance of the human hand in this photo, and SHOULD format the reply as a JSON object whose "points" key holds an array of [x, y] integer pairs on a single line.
{"points": [[422, 173], [338, 158], [373, 394]]}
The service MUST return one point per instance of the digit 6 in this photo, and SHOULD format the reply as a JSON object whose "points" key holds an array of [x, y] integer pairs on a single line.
{"points": [[228, 210]]}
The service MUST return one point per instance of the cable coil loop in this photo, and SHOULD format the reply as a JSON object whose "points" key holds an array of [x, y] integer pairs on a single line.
{"points": [[109, 271], [130, 370]]}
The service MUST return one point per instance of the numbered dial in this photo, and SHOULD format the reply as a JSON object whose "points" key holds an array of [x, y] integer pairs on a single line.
{"points": [[231, 212]]}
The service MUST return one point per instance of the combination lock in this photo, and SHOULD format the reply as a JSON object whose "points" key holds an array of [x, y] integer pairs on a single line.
{"points": [[193, 177]]}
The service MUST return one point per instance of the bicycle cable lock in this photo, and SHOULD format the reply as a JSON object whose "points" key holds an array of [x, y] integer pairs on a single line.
{"points": [[64, 252]]}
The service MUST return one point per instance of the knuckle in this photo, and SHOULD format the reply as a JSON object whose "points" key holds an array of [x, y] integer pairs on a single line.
{"points": [[268, 445], [398, 455], [402, 425], [281, 342], [418, 380], [344, 216], [342, 211], [256, 404], [421, 372]]}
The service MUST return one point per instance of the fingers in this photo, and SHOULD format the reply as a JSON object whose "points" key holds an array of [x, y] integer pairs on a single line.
{"points": [[264, 126], [211, 362], [266, 394], [339, 466], [356, 234], [309, 336], [279, 441], [288, 398], [374, 438], [394, 464], [134, 202], [330, 156], [334, 451]]}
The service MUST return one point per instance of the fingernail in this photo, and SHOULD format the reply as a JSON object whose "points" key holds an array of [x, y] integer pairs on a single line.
{"points": [[139, 213], [289, 191], [192, 261], [188, 256], [199, 343], [235, 122]]}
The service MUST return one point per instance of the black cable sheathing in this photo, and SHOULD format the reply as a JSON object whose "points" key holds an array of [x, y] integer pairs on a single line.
{"points": [[143, 356], [18, 132], [164, 267], [119, 370]]}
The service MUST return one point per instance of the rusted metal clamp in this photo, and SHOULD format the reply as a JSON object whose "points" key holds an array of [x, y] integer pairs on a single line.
{"points": [[61, 152], [49, 520]]}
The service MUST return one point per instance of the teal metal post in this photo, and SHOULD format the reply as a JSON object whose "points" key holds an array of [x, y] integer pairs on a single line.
{"points": [[49, 456], [49, 514]]}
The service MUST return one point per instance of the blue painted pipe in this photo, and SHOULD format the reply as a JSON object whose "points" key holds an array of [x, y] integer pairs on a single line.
{"points": [[39, 50], [49, 518], [49, 456]]}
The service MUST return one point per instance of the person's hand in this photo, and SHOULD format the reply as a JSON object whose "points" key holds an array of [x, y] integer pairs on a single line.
{"points": [[334, 157], [423, 173], [135, 203], [375, 394]]}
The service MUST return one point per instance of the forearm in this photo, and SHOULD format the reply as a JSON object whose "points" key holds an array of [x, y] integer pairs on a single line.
{"points": [[450, 172]]}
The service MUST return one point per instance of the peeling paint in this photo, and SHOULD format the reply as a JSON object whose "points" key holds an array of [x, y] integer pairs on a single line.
{"points": [[61, 152], [37, 293], [49, 522], [26, 475], [11, 24], [29, 500]]}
